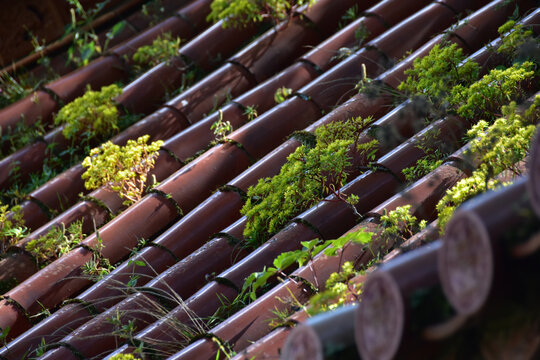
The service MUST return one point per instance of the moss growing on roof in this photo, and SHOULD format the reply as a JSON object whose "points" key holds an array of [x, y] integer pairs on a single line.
{"points": [[94, 113], [309, 175]]}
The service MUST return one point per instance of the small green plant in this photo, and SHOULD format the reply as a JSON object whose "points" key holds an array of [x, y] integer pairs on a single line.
{"points": [[435, 153], [98, 266], [350, 15], [126, 331], [123, 169], [251, 112], [240, 13], [308, 176], [221, 128], [20, 136], [163, 48], [94, 113], [58, 241], [284, 261], [11, 90], [399, 224], [86, 44], [282, 94], [337, 292], [12, 227]]}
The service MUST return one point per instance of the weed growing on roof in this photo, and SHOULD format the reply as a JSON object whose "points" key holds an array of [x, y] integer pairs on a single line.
{"points": [[58, 241], [163, 48], [123, 169], [399, 224], [86, 44], [308, 176], [435, 152], [338, 291], [497, 146], [221, 128], [251, 112], [12, 227], [240, 13], [395, 226], [257, 281], [94, 113], [282, 94], [22, 135]]}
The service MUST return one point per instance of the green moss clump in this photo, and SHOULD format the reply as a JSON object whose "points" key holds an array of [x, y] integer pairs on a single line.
{"points": [[163, 48], [308, 176], [94, 113], [435, 75]]}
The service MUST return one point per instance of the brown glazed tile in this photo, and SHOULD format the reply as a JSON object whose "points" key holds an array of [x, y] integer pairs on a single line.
{"points": [[343, 78], [100, 72], [269, 347], [173, 25], [471, 258], [375, 21], [326, 54], [269, 165], [186, 143], [385, 302], [97, 335], [22, 163], [214, 44], [263, 134], [276, 48], [322, 334], [14, 318], [482, 26], [425, 193], [448, 132], [196, 181], [17, 266], [205, 301], [160, 125], [61, 191], [62, 278], [50, 330], [533, 185], [184, 278], [395, 75], [109, 291], [262, 96], [414, 31], [86, 211], [327, 13], [33, 214], [228, 81], [38, 106], [332, 218], [195, 13], [147, 92], [251, 322]]}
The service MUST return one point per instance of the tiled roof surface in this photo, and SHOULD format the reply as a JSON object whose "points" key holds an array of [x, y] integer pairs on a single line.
{"points": [[192, 217]]}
